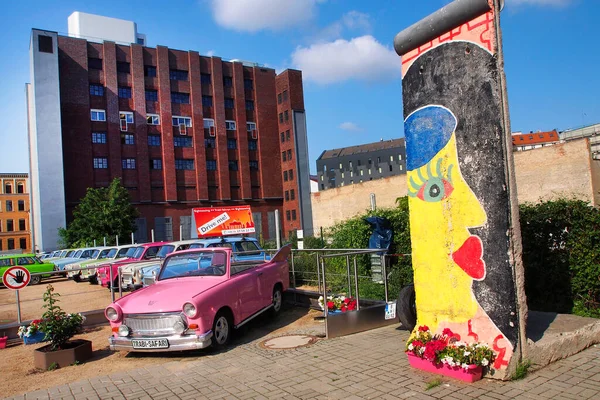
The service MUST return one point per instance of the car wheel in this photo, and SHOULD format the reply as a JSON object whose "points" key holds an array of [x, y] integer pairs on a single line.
{"points": [[221, 330], [277, 301], [35, 280], [93, 279], [77, 278], [406, 307]]}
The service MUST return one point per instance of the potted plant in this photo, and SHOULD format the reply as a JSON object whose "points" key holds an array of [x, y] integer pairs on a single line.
{"points": [[3, 340], [59, 327], [31, 333], [443, 354], [338, 304]]}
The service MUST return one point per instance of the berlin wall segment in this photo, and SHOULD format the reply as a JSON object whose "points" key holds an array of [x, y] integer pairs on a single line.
{"points": [[460, 207]]}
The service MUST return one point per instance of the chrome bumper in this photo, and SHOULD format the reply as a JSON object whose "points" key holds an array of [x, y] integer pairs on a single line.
{"points": [[176, 342]]}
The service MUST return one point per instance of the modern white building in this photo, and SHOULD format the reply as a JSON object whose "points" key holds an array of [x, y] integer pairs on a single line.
{"points": [[96, 28]]}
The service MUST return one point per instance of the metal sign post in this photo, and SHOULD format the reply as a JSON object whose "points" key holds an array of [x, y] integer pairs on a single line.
{"points": [[16, 278]]}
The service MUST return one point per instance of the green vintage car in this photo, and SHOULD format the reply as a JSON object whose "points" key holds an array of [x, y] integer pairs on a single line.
{"points": [[29, 261]]}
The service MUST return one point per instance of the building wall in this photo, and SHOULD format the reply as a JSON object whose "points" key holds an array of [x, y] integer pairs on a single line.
{"points": [[19, 235]]}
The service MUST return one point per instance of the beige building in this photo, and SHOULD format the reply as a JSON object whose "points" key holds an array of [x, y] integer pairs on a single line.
{"points": [[15, 233], [563, 170]]}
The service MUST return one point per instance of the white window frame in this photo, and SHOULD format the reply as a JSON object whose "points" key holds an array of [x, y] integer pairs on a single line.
{"points": [[208, 123], [128, 116], [230, 125], [98, 113], [250, 126], [181, 120], [155, 119]]}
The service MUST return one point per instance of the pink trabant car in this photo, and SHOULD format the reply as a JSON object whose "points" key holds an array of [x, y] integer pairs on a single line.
{"points": [[144, 252], [198, 298]]}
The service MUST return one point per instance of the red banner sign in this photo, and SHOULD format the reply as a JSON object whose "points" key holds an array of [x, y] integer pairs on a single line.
{"points": [[222, 221]]}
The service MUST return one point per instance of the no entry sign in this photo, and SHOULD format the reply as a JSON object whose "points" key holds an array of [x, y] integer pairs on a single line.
{"points": [[16, 278]]}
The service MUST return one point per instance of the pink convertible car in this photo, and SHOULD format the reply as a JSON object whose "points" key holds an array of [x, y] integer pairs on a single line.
{"points": [[199, 297]]}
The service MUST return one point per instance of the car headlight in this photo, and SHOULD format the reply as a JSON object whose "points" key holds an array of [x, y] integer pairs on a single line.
{"points": [[112, 314], [179, 327], [189, 310], [123, 330]]}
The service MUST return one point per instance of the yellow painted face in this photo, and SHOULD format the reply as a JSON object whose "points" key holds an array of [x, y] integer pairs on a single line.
{"points": [[446, 257]]}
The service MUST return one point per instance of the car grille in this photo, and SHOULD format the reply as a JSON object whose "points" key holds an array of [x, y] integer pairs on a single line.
{"points": [[160, 324]]}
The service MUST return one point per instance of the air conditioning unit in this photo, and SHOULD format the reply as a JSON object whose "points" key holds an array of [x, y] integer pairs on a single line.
{"points": [[123, 124], [254, 134], [182, 129], [212, 132]]}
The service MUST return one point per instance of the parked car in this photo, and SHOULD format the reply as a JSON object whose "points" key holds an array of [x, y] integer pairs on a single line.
{"points": [[79, 255], [143, 252], [115, 254], [244, 249], [200, 296], [96, 255], [131, 277], [30, 262]]}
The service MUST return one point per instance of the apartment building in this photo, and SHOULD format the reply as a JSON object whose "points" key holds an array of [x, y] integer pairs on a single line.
{"points": [[14, 213]]}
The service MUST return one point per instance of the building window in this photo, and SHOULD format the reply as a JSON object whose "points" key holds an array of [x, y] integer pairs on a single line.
{"points": [[292, 194], [152, 119], [45, 44], [96, 90], [254, 165], [280, 118], [127, 139], [279, 98], [249, 105], [128, 163], [232, 144], [379, 169], [399, 157], [98, 115], [282, 137], [253, 145], [177, 120], [248, 84], [291, 174], [228, 103], [150, 71], [293, 215], [180, 98], [184, 164], [9, 205], [152, 95], [362, 171], [100, 162], [287, 135], [227, 81], [21, 224], [286, 115], [287, 196], [10, 243], [400, 166], [99, 137], [7, 188], [123, 67], [124, 92], [94, 63], [288, 215], [20, 188], [21, 205], [178, 75], [250, 126], [358, 162], [233, 165], [155, 164], [230, 125], [208, 123], [289, 155], [283, 157], [9, 225], [210, 143], [182, 141], [205, 79], [211, 165], [153, 140], [390, 168], [23, 243], [207, 101], [285, 176], [391, 158], [126, 116], [285, 95]]}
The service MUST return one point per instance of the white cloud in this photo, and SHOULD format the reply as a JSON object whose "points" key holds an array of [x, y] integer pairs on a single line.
{"points": [[350, 126], [351, 21], [357, 20], [541, 2], [255, 15], [210, 53], [360, 58]]}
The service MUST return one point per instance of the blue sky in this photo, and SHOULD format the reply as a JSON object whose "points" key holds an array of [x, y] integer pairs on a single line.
{"points": [[551, 55]]}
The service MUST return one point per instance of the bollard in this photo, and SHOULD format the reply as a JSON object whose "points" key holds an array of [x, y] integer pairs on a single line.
{"points": [[132, 238], [152, 233], [117, 239], [104, 241]]}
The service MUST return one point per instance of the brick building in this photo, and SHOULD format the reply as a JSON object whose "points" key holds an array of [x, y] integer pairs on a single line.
{"points": [[534, 140], [14, 213], [181, 130]]}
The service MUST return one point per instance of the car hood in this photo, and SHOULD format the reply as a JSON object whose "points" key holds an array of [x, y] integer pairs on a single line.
{"points": [[166, 296], [65, 261], [137, 265]]}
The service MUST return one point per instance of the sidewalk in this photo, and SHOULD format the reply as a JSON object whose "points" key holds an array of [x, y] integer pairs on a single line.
{"points": [[368, 365]]}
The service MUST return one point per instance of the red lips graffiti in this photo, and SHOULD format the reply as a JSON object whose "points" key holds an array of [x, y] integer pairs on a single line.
{"points": [[468, 257]]}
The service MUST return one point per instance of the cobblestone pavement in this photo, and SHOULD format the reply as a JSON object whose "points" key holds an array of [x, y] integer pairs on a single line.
{"points": [[368, 365]]}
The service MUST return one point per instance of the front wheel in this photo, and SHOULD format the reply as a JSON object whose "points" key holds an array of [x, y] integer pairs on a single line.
{"points": [[35, 280], [277, 301], [406, 307], [221, 330]]}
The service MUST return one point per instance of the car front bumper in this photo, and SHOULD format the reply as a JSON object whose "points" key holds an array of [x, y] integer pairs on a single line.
{"points": [[176, 342]]}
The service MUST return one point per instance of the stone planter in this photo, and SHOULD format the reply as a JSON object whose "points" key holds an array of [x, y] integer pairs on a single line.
{"points": [[470, 375], [77, 350]]}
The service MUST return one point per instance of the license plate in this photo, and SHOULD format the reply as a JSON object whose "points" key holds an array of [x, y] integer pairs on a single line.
{"points": [[150, 343]]}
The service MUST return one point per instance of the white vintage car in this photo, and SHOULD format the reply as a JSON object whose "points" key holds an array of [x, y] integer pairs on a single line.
{"points": [[108, 253]]}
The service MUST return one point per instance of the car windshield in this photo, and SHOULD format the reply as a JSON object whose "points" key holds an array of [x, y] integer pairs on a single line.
{"points": [[112, 253], [106, 253], [68, 253], [202, 263], [127, 252], [137, 252], [77, 254], [165, 250], [95, 253], [196, 246]]}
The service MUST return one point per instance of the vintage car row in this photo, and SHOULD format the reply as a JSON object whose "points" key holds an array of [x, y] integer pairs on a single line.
{"points": [[30, 262], [105, 254], [199, 297]]}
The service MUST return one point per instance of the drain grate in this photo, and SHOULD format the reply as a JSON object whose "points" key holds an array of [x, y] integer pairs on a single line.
{"points": [[288, 342]]}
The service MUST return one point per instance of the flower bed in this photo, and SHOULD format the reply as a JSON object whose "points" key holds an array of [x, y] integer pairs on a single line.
{"points": [[338, 304], [443, 354]]}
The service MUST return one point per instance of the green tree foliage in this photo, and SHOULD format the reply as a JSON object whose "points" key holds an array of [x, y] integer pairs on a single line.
{"points": [[58, 326], [103, 212]]}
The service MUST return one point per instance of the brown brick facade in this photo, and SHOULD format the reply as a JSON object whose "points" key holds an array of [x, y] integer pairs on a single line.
{"points": [[15, 233]]}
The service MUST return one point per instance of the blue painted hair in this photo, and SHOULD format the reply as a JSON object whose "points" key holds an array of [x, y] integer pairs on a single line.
{"points": [[426, 132]]}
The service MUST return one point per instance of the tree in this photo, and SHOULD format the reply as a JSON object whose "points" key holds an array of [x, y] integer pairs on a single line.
{"points": [[103, 212]]}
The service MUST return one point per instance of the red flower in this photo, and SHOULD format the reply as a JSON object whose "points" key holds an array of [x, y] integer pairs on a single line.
{"points": [[417, 343], [352, 305], [331, 305], [347, 300], [423, 328], [447, 332]]}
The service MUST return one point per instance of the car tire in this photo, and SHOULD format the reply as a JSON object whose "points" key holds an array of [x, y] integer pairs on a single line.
{"points": [[277, 301], [93, 280], [222, 327], [406, 307], [77, 278], [35, 280]]}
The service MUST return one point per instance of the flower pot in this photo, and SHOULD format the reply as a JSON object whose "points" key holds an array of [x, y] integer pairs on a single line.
{"points": [[73, 351], [3, 340], [470, 375], [37, 337]]}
